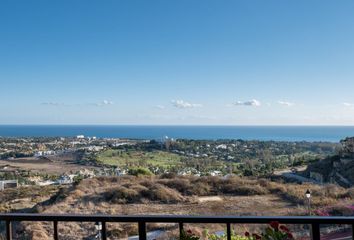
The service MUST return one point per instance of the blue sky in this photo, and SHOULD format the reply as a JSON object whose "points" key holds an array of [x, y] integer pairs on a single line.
{"points": [[177, 62]]}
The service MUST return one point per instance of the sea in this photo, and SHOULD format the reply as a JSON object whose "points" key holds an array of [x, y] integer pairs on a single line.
{"points": [[276, 133]]}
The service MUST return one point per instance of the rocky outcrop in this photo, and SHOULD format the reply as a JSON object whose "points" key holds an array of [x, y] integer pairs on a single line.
{"points": [[317, 176], [347, 148], [338, 169]]}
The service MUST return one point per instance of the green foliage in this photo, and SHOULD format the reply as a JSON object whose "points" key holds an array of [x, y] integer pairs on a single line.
{"points": [[234, 236], [78, 179], [274, 231], [248, 158], [139, 171], [136, 157], [188, 235], [15, 155]]}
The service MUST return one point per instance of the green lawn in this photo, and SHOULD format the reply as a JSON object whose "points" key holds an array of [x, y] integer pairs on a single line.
{"points": [[139, 158]]}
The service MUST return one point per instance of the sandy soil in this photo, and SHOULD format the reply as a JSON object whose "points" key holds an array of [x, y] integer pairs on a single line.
{"points": [[209, 199], [51, 165]]}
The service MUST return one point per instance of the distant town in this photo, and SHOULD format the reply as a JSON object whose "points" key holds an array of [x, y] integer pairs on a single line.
{"points": [[47, 161], [66, 160]]}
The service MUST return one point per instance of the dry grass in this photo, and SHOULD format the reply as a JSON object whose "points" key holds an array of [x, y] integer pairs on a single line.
{"points": [[25, 197], [133, 190], [321, 195], [206, 186], [351, 192], [177, 195]]}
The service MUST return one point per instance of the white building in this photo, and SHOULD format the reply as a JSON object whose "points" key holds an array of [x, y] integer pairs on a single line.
{"points": [[66, 179], [38, 154]]}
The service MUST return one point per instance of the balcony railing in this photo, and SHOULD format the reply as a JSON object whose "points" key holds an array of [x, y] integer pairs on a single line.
{"points": [[142, 220]]}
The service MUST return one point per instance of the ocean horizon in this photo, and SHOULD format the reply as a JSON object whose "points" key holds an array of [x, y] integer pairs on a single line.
{"points": [[265, 133]]}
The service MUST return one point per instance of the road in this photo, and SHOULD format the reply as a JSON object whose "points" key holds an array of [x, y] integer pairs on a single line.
{"points": [[288, 173], [338, 236]]}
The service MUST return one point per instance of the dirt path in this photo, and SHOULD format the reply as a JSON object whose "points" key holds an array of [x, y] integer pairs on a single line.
{"points": [[288, 173], [209, 199]]}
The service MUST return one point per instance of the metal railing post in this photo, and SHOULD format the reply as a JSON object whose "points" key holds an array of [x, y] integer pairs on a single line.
{"points": [[180, 225], [142, 231], [55, 225], [315, 231], [104, 231], [228, 231], [8, 230]]}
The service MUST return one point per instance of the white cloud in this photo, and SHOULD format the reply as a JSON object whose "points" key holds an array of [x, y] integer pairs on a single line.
{"points": [[251, 103], [160, 106], [182, 104], [99, 104], [285, 103], [105, 103], [348, 104], [53, 104]]}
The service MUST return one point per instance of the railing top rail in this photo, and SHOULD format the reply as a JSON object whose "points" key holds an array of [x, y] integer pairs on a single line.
{"points": [[173, 218]]}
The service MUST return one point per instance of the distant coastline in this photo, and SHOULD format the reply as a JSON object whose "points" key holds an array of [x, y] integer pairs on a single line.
{"points": [[276, 133]]}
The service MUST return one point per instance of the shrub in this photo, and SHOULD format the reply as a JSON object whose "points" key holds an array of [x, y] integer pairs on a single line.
{"points": [[181, 185], [274, 231], [243, 189], [212, 181], [224, 237], [188, 235], [121, 195], [168, 175], [139, 171], [200, 189], [161, 193], [351, 193], [333, 191], [341, 211], [136, 193], [214, 185]]}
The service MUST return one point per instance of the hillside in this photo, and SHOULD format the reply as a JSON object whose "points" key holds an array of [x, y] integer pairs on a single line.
{"points": [[215, 157], [338, 169], [176, 195]]}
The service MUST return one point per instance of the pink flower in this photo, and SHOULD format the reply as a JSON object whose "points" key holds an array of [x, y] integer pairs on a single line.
{"points": [[323, 212], [351, 207], [274, 225], [283, 228], [290, 235]]}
